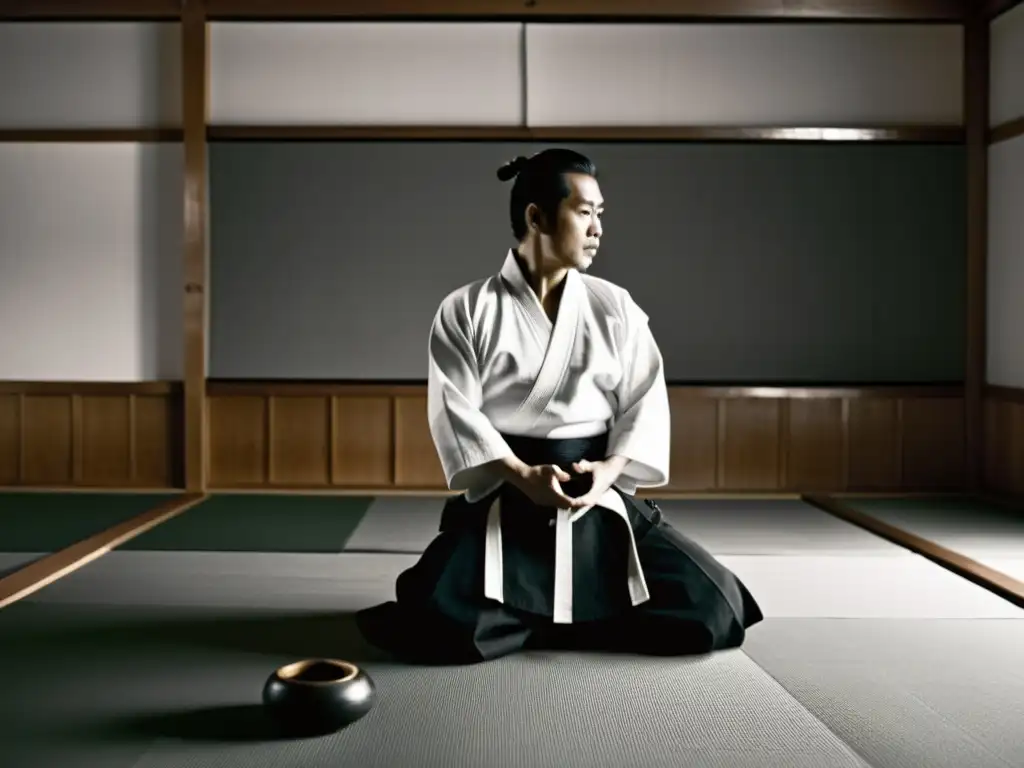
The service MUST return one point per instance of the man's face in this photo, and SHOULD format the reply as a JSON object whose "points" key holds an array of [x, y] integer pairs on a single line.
{"points": [[573, 240]]}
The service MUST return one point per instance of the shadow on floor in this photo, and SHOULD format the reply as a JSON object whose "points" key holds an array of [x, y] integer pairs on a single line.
{"points": [[286, 634], [226, 724]]}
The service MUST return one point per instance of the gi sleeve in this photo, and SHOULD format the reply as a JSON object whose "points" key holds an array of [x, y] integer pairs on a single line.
{"points": [[464, 437], [642, 429]]}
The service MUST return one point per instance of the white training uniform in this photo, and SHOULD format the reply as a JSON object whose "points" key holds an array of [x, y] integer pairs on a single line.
{"points": [[497, 364]]}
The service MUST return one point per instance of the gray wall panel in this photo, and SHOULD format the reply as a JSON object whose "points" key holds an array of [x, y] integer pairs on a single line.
{"points": [[762, 263]]}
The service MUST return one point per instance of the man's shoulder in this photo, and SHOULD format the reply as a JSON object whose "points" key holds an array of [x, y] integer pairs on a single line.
{"points": [[614, 297], [462, 301]]}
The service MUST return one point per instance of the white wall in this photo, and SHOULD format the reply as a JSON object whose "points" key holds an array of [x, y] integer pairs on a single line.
{"points": [[386, 73], [90, 233], [743, 74], [1006, 206], [84, 75], [584, 74], [1007, 66], [90, 239]]}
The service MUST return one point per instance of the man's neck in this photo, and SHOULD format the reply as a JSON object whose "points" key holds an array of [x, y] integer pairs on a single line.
{"points": [[546, 282]]}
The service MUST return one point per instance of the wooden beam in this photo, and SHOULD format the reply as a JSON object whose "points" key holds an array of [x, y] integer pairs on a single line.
{"points": [[895, 133], [195, 86], [596, 10], [1011, 129], [976, 116], [994, 8], [89, 135], [369, 388], [89, 10], [994, 581]]}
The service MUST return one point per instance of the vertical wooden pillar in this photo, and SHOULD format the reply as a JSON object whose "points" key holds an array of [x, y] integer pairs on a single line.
{"points": [[194, 63], [976, 98]]}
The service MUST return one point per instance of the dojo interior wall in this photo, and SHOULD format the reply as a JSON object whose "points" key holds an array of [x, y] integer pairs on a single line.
{"points": [[1005, 253], [90, 232], [91, 365]]}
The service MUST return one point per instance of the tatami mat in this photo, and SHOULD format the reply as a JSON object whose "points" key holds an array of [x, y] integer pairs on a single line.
{"points": [[723, 526], [864, 587], [12, 561], [229, 522], [973, 527], [568, 711], [906, 693], [35, 521], [186, 684], [398, 524], [853, 587], [780, 527]]}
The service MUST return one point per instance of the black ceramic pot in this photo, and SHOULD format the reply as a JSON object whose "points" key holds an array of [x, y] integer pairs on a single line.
{"points": [[318, 695]]}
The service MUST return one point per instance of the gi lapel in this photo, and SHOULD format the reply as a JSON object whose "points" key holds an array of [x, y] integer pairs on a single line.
{"points": [[560, 341]]}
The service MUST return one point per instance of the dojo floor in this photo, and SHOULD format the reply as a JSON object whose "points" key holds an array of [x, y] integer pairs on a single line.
{"points": [[155, 654]]}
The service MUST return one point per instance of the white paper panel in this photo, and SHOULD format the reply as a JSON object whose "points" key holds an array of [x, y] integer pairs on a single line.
{"points": [[372, 73], [1006, 263], [743, 74], [86, 75], [1007, 67], [90, 262]]}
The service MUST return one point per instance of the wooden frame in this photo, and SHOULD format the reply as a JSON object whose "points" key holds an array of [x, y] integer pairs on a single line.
{"points": [[195, 88], [940, 11], [994, 8], [941, 134], [976, 117], [1011, 129]]}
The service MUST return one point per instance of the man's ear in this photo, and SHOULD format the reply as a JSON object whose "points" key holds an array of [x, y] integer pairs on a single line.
{"points": [[535, 220]]}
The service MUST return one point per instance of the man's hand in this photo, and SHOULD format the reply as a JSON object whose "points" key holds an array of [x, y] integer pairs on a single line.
{"points": [[604, 473], [542, 485]]}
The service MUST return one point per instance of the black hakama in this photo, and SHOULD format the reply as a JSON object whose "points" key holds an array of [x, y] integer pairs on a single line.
{"points": [[441, 614]]}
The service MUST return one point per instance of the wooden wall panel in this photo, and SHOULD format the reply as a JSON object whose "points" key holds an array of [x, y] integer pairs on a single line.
{"points": [[874, 456], [156, 458], [934, 437], [693, 461], [88, 435], [742, 440], [47, 439], [376, 437], [103, 446], [416, 462], [10, 438], [1004, 441], [238, 444], [815, 445], [364, 441], [301, 436], [749, 458], [299, 440]]}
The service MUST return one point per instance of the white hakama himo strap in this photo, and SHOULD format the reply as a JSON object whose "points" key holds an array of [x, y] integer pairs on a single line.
{"points": [[494, 568], [494, 572]]}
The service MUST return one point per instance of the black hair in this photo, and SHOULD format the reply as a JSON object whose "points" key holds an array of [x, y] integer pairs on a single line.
{"points": [[540, 179]]}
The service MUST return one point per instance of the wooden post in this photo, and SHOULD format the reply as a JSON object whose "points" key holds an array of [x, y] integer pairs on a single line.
{"points": [[194, 65], [976, 119]]}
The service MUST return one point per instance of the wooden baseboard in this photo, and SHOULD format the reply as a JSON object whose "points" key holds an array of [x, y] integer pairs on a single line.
{"points": [[1004, 444]]}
